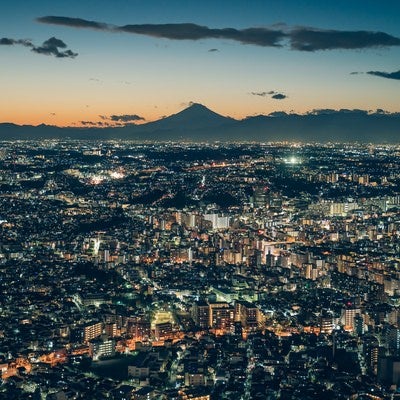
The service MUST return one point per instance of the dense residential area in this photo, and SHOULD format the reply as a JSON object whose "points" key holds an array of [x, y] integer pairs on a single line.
{"points": [[199, 271]]}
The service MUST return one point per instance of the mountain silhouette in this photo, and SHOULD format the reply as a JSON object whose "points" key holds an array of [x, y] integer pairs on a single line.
{"points": [[199, 123], [196, 116]]}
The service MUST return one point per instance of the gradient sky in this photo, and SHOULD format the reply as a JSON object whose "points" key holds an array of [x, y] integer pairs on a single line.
{"points": [[141, 75]]}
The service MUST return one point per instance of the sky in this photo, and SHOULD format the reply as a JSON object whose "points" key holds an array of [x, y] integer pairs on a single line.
{"points": [[98, 62]]}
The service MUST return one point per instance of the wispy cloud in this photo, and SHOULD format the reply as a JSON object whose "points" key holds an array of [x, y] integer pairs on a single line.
{"points": [[50, 47], [91, 123], [272, 93], [299, 38], [11, 42], [389, 75], [382, 74], [262, 94]]}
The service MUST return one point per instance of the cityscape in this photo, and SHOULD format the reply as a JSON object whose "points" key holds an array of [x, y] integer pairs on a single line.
{"points": [[199, 270], [199, 200]]}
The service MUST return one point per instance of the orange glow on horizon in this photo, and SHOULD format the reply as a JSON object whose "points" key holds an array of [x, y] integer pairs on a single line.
{"points": [[73, 115], [63, 121]]}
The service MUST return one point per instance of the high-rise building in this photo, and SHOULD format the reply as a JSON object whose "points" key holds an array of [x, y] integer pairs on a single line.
{"points": [[248, 315], [102, 348], [310, 271], [372, 352], [326, 324], [201, 314], [270, 260], [217, 221], [389, 370], [393, 340], [221, 316], [348, 315], [111, 329], [92, 331], [139, 327]]}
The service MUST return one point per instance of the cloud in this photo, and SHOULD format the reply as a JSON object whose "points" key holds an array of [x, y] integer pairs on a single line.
{"points": [[279, 96], [126, 118], [322, 111], [186, 31], [382, 74], [50, 47], [74, 22], [187, 103], [299, 38], [311, 39], [90, 123], [389, 75], [274, 95], [12, 42], [342, 111], [257, 36], [7, 42], [261, 94], [97, 124]]}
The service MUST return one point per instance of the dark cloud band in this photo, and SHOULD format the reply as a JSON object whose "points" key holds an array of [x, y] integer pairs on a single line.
{"points": [[123, 119], [301, 38], [126, 118], [309, 39], [256, 36], [187, 31], [74, 22], [389, 75]]}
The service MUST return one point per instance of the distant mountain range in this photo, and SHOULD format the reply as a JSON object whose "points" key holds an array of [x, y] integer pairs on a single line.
{"points": [[198, 123]]}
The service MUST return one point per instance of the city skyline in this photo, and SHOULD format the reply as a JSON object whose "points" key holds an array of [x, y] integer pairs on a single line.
{"points": [[203, 271], [129, 62]]}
